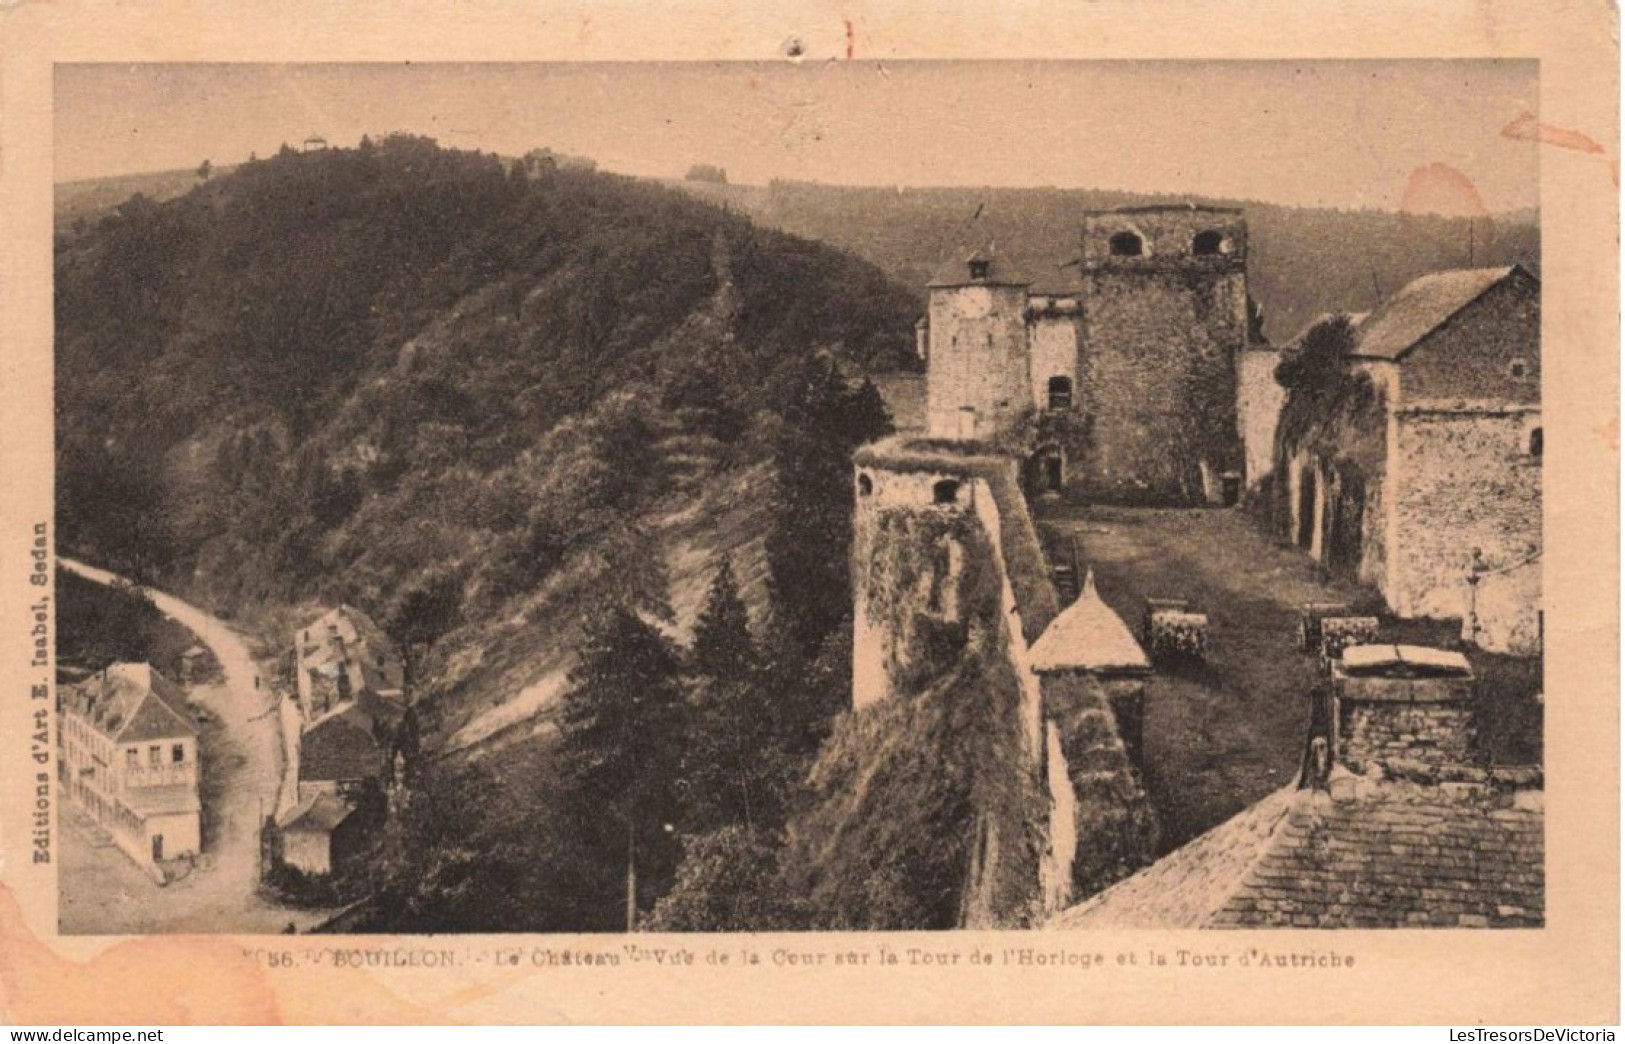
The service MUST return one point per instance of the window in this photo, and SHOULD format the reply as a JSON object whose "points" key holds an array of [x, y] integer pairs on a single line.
{"points": [[979, 268], [1519, 368], [1126, 244], [177, 753], [1207, 244], [866, 485], [132, 758], [1060, 393], [155, 755], [945, 492], [1537, 443]]}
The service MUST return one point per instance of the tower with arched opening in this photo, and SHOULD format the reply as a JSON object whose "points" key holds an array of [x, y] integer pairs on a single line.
{"points": [[1162, 323]]}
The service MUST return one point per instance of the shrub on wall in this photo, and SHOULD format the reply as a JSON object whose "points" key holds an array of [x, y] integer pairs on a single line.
{"points": [[884, 841]]}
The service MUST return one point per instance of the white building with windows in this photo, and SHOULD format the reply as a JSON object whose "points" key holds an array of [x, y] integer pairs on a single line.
{"points": [[129, 759]]}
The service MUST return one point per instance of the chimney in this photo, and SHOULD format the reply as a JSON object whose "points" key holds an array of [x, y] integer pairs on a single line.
{"points": [[1402, 705]]}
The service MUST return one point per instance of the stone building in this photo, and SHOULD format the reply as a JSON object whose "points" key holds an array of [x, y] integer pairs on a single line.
{"points": [[1125, 387], [1431, 492], [1391, 825], [322, 834], [129, 759], [342, 654], [354, 722]]}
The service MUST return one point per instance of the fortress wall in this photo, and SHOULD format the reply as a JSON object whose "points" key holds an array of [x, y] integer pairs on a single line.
{"points": [[915, 626]]}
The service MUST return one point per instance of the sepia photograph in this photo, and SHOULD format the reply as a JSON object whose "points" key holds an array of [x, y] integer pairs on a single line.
{"points": [[798, 495]]}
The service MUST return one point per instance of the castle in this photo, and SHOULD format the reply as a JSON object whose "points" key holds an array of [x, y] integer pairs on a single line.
{"points": [[1124, 389], [1146, 385]]}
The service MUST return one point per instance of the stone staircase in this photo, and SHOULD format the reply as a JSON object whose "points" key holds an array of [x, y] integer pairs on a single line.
{"points": [[1065, 575]]}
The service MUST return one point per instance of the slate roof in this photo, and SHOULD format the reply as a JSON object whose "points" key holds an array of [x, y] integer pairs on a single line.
{"points": [[1089, 636], [956, 272], [340, 746], [1422, 306], [363, 640], [1394, 854], [320, 814], [133, 702]]}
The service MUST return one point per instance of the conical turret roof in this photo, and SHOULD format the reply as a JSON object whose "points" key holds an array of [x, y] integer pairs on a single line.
{"points": [[1088, 636]]}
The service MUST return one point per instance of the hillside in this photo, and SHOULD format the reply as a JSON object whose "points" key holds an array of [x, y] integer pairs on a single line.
{"points": [[1304, 262], [473, 402], [91, 199]]}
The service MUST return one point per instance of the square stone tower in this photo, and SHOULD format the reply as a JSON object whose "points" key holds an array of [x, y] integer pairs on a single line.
{"points": [[1163, 322], [977, 382]]}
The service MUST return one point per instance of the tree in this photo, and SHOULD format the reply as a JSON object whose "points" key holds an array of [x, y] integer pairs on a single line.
{"points": [[729, 882], [204, 170], [707, 172], [621, 731], [425, 612], [723, 647], [734, 770], [809, 544]]}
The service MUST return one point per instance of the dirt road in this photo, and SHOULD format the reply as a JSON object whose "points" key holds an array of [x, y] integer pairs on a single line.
{"points": [[103, 893]]}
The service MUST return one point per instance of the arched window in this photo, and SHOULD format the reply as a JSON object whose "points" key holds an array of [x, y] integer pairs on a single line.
{"points": [[1537, 443], [1060, 393], [945, 492], [1208, 243], [1126, 244], [866, 485]]}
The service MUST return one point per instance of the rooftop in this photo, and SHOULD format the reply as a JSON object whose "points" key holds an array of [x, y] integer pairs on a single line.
{"points": [[360, 641], [340, 746], [320, 814], [132, 701], [1402, 321], [1394, 854], [1088, 636], [997, 271]]}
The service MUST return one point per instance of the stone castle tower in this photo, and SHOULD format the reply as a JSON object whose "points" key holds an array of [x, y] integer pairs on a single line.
{"points": [[1127, 386], [976, 384]]}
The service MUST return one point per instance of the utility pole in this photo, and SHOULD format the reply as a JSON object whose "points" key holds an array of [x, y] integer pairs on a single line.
{"points": [[631, 877]]}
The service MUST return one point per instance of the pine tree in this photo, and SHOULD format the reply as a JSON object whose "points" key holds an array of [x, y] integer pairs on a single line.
{"points": [[622, 731], [809, 545], [733, 770], [723, 647]]}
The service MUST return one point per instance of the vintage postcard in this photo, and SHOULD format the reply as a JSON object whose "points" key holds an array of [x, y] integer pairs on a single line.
{"points": [[559, 513]]}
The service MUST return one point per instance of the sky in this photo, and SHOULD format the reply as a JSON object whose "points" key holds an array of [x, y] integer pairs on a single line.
{"points": [[1417, 135]]}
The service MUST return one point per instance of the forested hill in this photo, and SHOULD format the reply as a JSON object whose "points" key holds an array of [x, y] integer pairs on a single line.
{"points": [[1304, 261], [438, 387]]}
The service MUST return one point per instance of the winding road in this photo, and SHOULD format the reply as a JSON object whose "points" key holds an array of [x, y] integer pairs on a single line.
{"points": [[103, 893]]}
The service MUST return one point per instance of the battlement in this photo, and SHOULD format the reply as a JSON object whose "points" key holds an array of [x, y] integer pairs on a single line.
{"points": [[1163, 237]]}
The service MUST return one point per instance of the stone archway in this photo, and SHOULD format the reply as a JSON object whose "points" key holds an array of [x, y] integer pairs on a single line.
{"points": [[1046, 470], [1308, 493]]}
